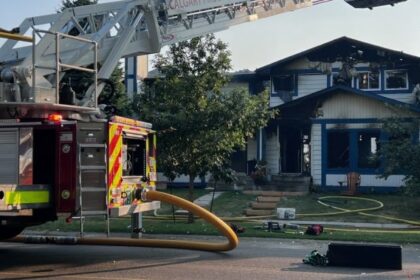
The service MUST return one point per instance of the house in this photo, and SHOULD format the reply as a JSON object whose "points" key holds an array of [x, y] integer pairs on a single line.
{"points": [[332, 101]]}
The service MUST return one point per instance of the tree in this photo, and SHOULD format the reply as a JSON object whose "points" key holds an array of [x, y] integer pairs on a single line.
{"points": [[113, 94], [76, 3], [199, 124], [400, 152]]}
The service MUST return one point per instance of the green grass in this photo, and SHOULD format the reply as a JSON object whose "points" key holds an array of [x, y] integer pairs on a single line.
{"points": [[229, 204], [166, 209], [395, 205], [232, 204], [200, 227]]}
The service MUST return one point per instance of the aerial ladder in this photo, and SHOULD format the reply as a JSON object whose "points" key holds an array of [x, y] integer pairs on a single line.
{"points": [[59, 154]]}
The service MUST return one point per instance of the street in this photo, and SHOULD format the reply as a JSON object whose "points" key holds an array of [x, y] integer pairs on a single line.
{"points": [[253, 259]]}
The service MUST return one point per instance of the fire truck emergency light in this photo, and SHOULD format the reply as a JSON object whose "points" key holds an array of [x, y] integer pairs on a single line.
{"points": [[55, 118]]}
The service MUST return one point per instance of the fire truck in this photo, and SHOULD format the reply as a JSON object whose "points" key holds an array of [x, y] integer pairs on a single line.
{"points": [[59, 153]]}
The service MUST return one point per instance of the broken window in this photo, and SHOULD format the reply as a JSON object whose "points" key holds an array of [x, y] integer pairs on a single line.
{"points": [[396, 79], [283, 83], [368, 80], [368, 146], [338, 149], [338, 79]]}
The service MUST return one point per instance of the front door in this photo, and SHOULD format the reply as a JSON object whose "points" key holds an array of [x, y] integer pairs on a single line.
{"points": [[294, 149]]}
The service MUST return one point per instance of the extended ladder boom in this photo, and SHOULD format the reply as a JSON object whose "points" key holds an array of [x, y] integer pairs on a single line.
{"points": [[104, 33], [121, 29]]}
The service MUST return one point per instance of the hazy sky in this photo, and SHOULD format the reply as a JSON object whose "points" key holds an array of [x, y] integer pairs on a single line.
{"points": [[258, 43]]}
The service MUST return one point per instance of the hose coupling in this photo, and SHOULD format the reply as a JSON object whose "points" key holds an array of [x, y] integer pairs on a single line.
{"points": [[143, 196]]}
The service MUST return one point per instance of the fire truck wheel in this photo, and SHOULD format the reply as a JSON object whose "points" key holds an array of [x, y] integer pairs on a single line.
{"points": [[9, 232]]}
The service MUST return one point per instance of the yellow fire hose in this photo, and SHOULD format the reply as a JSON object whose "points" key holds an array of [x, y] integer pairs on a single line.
{"points": [[222, 227], [359, 211], [342, 210]]}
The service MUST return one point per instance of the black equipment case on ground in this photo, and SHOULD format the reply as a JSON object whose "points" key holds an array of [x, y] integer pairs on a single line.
{"points": [[362, 255]]}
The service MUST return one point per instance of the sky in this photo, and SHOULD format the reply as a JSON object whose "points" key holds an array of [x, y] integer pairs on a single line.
{"points": [[259, 43]]}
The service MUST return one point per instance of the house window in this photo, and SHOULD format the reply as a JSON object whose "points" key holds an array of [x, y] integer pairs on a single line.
{"points": [[283, 83], [396, 79], [368, 80], [368, 146], [338, 149], [354, 150], [337, 79]]}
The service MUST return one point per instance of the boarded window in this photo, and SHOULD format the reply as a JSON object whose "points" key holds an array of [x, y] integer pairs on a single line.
{"points": [[338, 149]]}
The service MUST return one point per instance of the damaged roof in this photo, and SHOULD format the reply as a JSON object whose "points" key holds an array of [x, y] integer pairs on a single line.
{"points": [[347, 47]]}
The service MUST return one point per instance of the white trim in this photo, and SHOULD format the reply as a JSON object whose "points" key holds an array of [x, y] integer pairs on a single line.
{"points": [[367, 180]]}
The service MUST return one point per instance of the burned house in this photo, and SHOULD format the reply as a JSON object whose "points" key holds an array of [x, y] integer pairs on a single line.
{"points": [[332, 102]]}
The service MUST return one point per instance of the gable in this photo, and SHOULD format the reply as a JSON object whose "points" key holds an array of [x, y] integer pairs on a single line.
{"points": [[346, 105]]}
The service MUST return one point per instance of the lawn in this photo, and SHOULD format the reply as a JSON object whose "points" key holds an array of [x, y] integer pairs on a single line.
{"points": [[232, 204], [395, 205]]}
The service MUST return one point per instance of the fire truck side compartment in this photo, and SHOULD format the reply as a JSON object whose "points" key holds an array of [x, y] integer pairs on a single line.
{"points": [[9, 155], [66, 180], [93, 181], [44, 156]]}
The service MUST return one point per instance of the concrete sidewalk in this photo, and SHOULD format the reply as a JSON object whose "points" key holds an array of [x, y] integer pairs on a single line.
{"points": [[205, 200]]}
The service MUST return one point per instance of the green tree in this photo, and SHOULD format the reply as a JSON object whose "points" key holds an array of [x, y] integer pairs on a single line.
{"points": [[76, 3], [400, 152], [114, 94], [199, 124]]}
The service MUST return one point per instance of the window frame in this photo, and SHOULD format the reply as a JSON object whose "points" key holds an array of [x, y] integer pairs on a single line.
{"points": [[379, 137], [335, 73], [293, 81], [353, 134], [395, 70], [348, 134], [357, 85]]}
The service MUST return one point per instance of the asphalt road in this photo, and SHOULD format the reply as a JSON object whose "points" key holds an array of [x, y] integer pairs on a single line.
{"points": [[254, 259]]}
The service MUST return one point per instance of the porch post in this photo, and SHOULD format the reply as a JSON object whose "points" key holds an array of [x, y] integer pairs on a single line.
{"points": [[278, 147], [261, 144]]}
